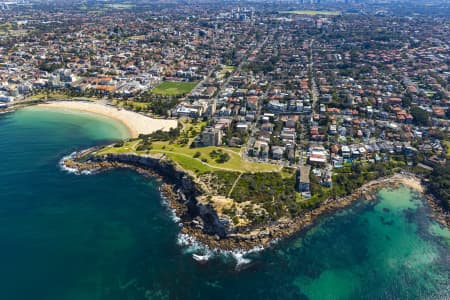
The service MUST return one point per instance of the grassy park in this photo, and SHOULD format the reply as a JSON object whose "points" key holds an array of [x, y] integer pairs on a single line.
{"points": [[219, 177], [198, 160], [255, 192], [169, 88], [57, 96], [130, 104]]}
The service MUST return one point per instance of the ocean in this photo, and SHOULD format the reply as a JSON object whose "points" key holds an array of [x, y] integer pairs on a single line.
{"points": [[110, 236]]}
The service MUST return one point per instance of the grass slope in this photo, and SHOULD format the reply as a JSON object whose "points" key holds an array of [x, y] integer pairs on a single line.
{"points": [[184, 156]]}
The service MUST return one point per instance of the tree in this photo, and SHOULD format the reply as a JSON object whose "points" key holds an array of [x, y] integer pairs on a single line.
{"points": [[421, 116], [439, 185], [406, 100]]}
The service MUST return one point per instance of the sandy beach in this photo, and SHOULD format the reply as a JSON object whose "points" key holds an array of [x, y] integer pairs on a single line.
{"points": [[412, 182], [135, 122]]}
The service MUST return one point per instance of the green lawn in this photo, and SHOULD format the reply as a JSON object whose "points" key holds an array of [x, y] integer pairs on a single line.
{"points": [[447, 143], [184, 156], [53, 95], [188, 163], [169, 88], [311, 12], [5, 27], [236, 163], [226, 69], [190, 129], [132, 104], [127, 147], [199, 160], [57, 96]]}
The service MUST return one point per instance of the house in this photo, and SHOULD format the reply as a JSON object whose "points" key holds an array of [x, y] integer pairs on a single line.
{"points": [[291, 123], [211, 136], [252, 102], [338, 162], [6, 99], [267, 127], [345, 150], [185, 111], [288, 134], [277, 152], [261, 149], [241, 127], [332, 130], [326, 179], [303, 183], [276, 105], [355, 152], [326, 98], [318, 156], [235, 142], [250, 117]]}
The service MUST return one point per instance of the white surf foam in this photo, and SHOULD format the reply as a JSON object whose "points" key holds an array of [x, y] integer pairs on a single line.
{"points": [[240, 259], [171, 211], [75, 171], [63, 166], [192, 246]]}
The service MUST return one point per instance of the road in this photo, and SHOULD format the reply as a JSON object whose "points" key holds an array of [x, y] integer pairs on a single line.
{"points": [[314, 92], [239, 67]]}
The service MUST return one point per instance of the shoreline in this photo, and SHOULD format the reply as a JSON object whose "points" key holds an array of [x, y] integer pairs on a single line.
{"points": [[264, 236], [134, 122]]}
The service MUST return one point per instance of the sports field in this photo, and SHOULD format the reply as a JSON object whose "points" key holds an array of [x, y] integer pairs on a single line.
{"points": [[170, 88]]}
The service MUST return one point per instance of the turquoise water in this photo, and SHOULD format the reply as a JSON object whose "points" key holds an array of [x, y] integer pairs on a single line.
{"points": [[108, 235]]}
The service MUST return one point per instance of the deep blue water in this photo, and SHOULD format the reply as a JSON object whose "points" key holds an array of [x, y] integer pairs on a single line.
{"points": [[108, 235]]}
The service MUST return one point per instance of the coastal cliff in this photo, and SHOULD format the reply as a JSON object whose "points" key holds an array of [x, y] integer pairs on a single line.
{"points": [[179, 188], [210, 226]]}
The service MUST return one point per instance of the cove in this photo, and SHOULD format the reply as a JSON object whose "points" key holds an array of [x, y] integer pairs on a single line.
{"points": [[108, 235]]}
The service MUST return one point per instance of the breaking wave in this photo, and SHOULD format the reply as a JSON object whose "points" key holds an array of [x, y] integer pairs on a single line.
{"points": [[201, 252], [63, 166], [171, 211], [75, 171]]}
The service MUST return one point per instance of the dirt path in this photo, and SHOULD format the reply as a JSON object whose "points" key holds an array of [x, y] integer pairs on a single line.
{"points": [[234, 184]]}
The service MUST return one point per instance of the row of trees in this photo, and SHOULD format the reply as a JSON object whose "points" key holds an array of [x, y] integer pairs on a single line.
{"points": [[158, 104], [439, 184]]}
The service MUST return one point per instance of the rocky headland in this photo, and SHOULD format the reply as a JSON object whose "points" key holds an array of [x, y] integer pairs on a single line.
{"points": [[201, 221]]}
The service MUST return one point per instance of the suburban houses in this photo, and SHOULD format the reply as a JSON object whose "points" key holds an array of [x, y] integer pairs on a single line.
{"points": [[285, 88]]}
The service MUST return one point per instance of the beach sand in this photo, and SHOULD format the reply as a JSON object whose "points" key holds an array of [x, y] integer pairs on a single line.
{"points": [[411, 182], [135, 122]]}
